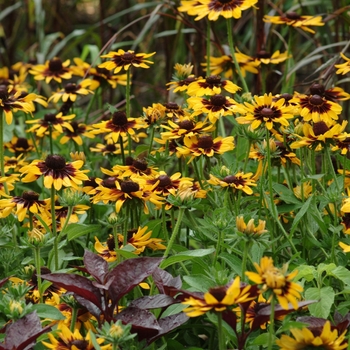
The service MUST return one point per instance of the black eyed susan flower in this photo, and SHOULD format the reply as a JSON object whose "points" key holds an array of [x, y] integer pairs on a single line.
{"points": [[295, 20], [313, 107], [343, 68], [12, 100], [211, 85], [174, 111], [275, 58], [107, 249], [56, 172], [264, 110], [318, 135], [303, 190], [109, 147], [71, 91], [19, 145], [205, 145], [217, 299], [20, 205], [277, 281], [342, 143], [249, 228], [74, 132], [69, 340], [333, 94], [182, 77], [215, 107], [56, 121], [125, 59], [155, 114], [215, 8], [13, 164], [9, 180], [134, 168], [118, 126], [239, 181], [313, 337], [53, 69]]}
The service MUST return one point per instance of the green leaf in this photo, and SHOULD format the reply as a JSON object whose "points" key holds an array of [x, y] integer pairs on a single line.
{"points": [[233, 261], [76, 230], [262, 340], [301, 213], [323, 307], [341, 273], [306, 271], [328, 268], [187, 255], [199, 282], [48, 311], [285, 194]]}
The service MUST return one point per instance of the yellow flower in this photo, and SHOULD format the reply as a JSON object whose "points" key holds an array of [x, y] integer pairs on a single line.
{"points": [[250, 229], [313, 337], [343, 68]]}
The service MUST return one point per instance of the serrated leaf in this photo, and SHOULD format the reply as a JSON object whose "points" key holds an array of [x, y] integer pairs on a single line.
{"points": [[76, 230], [48, 311], [325, 296], [187, 255]]}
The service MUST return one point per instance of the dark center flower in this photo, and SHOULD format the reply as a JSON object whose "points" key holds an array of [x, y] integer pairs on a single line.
{"points": [[263, 54], [219, 293], [186, 124], [205, 142], [3, 92], [22, 143], [316, 100], [267, 112], [164, 181], [91, 182], [317, 89], [128, 56], [320, 128], [129, 186], [213, 79], [55, 162], [230, 179], [171, 105], [140, 164], [50, 117], [286, 96], [111, 147], [188, 80], [129, 160], [119, 118], [70, 88], [55, 65], [30, 195], [217, 100], [292, 15]]}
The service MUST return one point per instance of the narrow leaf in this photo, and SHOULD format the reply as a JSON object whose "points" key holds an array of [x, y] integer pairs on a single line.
{"points": [[76, 230], [301, 213]]}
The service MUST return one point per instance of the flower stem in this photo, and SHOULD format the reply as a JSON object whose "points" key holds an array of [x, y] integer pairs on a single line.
{"points": [[38, 271], [2, 161], [221, 335], [272, 324], [175, 232], [54, 227], [127, 105], [233, 54], [208, 48], [74, 318]]}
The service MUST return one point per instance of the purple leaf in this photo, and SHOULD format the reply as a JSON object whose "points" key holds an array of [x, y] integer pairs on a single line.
{"points": [[77, 284], [153, 302], [165, 282], [230, 318], [3, 281], [96, 266], [129, 274], [143, 322], [22, 334], [169, 323], [92, 308]]}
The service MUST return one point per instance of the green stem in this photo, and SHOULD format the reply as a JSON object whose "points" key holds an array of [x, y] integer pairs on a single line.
{"points": [[150, 142], [37, 263], [233, 54], [50, 139], [74, 318], [218, 247], [208, 47], [54, 227], [221, 335], [244, 259], [69, 214], [2, 161], [175, 232], [272, 324], [127, 105]]}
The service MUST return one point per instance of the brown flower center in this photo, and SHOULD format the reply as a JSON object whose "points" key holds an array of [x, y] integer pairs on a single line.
{"points": [[30, 195], [55, 162], [219, 293], [205, 142], [266, 112], [80, 344], [263, 54], [50, 117], [164, 181], [213, 79], [128, 56], [70, 88], [22, 143], [286, 96], [292, 15], [320, 128], [171, 105], [217, 100], [110, 243], [140, 164], [230, 179], [129, 186], [186, 124], [316, 100], [3, 92], [119, 118], [317, 89], [55, 65], [109, 182], [111, 147]]}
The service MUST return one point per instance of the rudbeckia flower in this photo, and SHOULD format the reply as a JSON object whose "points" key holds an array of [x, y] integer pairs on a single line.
{"points": [[53, 69], [217, 299], [211, 85], [71, 91], [125, 59], [275, 58], [9, 181], [250, 229], [215, 8], [109, 147], [19, 145], [312, 338], [13, 164], [295, 20], [264, 110], [107, 249], [343, 68], [276, 281], [56, 172], [75, 131]]}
